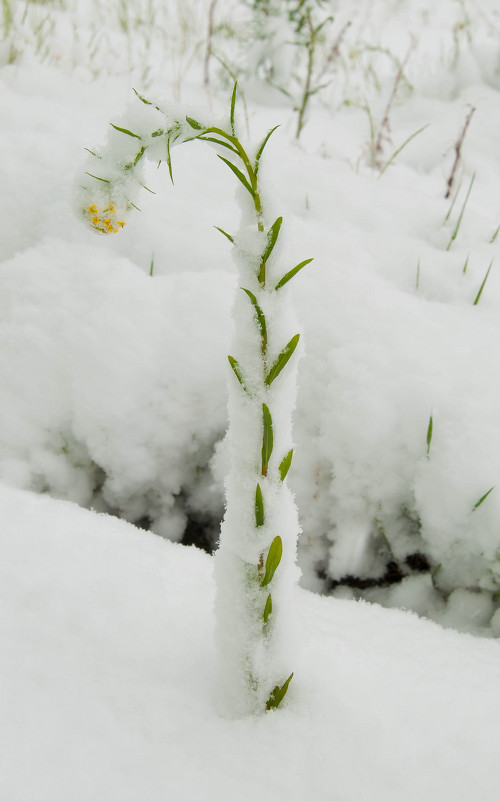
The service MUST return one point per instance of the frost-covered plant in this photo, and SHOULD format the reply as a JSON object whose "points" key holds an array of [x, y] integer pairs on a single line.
{"points": [[283, 49], [255, 562]]}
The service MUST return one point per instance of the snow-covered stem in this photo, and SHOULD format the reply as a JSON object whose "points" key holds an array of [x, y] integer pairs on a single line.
{"points": [[255, 564]]}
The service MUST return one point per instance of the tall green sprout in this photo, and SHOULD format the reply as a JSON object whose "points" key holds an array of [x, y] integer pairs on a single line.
{"points": [[255, 561]]}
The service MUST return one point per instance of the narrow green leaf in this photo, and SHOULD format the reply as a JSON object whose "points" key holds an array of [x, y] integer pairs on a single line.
{"points": [[483, 284], [152, 265], [104, 180], [238, 173], [460, 216], [278, 694], [92, 153], [464, 269], [194, 124], [261, 148], [259, 507], [237, 371], [148, 189], [282, 359], [143, 100], [285, 465], [417, 279], [290, 274], [216, 141], [233, 104], [429, 434], [139, 155], [261, 320], [272, 237], [267, 438], [493, 238], [228, 236], [400, 148], [268, 609], [125, 131], [159, 132], [272, 562], [169, 161], [482, 499]]}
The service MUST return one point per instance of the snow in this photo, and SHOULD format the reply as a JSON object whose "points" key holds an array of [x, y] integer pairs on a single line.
{"points": [[110, 684], [113, 396]]}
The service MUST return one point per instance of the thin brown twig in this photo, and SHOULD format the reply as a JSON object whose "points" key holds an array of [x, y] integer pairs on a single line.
{"points": [[458, 152], [384, 127]]}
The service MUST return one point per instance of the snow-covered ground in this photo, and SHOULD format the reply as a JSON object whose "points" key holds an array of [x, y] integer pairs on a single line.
{"points": [[109, 682], [113, 395]]}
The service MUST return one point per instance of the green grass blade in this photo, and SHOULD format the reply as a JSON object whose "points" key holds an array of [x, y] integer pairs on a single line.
{"points": [[401, 147], [286, 278], [278, 694], [204, 138], [429, 434], [482, 499], [233, 104], [261, 148], [460, 216], [272, 238], [228, 236], [268, 609], [169, 160], [259, 507], [493, 238], [483, 284], [464, 268], [272, 562], [285, 465], [282, 359], [267, 438], [261, 320], [104, 180], [238, 372], [139, 155], [125, 131], [152, 265], [238, 174]]}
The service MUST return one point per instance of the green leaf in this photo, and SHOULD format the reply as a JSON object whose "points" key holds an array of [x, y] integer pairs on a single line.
{"points": [[272, 562], [159, 132], [291, 273], [268, 609], [259, 507], [238, 173], [285, 465], [194, 124], [482, 499], [261, 320], [261, 148], [282, 359], [228, 236], [104, 180], [233, 104], [143, 100], [152, 265], [483, 284], [139, 156], [238, 372], [203, 138], [272, 236], [429, 434], [267, 438], [169, 160], [125, 131], [278, 694]]}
